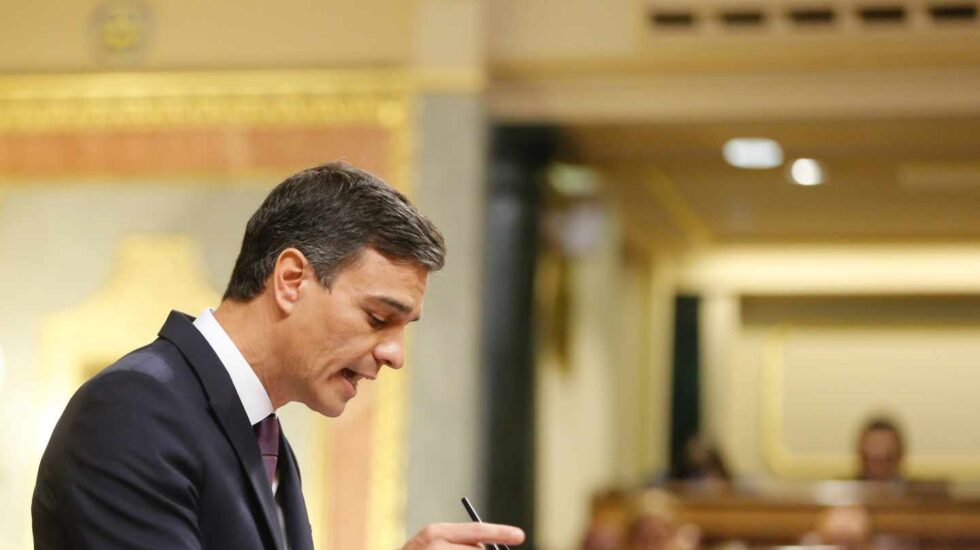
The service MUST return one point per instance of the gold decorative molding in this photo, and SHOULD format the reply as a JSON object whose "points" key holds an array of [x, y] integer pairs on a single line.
{"points": [[683, 53], [128, 312], [37, 103], [53, 104], [684, 216], [786, 463], [454, 80], [151, 275], [386, 503], [120, 30], [389, 438], [632, 96], [781, 460]]}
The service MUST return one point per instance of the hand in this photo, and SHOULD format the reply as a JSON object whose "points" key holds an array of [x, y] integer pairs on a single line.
{"points": [[450, 536]]}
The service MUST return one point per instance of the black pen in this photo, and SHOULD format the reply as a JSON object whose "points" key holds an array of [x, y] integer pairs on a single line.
{"points": [[475, 517]]}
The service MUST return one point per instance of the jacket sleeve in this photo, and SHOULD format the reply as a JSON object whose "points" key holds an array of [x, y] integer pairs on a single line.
{"points": [[128, 468]]}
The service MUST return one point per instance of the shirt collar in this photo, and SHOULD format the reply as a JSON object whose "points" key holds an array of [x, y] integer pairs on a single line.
{"points": [[250, 390]]}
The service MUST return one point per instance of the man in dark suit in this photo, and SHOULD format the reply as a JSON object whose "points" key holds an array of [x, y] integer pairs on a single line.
{"points": [[177, 446]]}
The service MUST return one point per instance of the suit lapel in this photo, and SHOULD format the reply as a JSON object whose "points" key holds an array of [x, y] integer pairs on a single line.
{"points": [[290, 496], [228, 410]]}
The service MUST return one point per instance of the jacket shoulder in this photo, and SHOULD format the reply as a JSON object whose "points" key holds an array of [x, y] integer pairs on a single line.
{"points": [[159, 360], [124, 442]]}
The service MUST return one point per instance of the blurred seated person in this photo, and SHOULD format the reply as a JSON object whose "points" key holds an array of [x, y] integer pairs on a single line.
{"points": [[606, 526], [851, 528], [700, 466], [880, 449], [653, 524], [843, 527]]}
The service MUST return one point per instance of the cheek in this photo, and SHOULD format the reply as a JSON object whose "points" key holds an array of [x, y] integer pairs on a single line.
{"points": [[328, 357], [308, 357]]}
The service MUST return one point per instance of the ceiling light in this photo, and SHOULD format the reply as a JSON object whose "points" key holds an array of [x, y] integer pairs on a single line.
{"points": [[806, 172], [573, 181], [753, 153]]}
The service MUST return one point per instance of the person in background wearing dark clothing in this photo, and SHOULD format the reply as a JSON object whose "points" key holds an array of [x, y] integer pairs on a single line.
{"points": [[880, 449]]}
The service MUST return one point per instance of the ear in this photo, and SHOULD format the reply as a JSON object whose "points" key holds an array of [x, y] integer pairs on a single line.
{"points": [[291, 269]]}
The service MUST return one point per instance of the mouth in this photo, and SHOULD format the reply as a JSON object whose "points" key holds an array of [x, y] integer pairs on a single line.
{"points": [[351, 376], [354, 377]]}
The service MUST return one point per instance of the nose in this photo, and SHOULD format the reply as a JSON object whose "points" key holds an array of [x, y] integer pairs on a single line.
{"points": [[391, 351]]}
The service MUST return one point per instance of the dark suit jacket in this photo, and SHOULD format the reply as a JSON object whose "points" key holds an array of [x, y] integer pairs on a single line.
{"points": [[156, 451]]}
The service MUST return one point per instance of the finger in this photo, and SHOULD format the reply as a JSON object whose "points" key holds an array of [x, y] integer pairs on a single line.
{"points": [[473, 533]]}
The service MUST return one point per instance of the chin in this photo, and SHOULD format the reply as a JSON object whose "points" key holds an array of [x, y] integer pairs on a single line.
{"points": [[329, 411], [329, 408]]}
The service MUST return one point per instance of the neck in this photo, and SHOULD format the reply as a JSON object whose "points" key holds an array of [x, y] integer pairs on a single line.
{"points": [[249, 326]]}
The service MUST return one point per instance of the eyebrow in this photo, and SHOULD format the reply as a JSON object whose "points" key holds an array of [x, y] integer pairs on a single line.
{"points": [[401, 307]]}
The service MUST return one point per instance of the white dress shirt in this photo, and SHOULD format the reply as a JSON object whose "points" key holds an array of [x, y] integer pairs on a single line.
{"points": [[250, 390]]}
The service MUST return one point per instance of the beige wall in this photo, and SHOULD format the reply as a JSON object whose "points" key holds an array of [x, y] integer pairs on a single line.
{"points": [[577, 406], [572, 35], [438, 48], [445, 426], [604, 420], [602, 416], [62, 36], [58, 248], [557, 29], [444, 40], [802, 343]]}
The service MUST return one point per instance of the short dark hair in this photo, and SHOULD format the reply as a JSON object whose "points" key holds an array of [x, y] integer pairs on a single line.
{"points": [[331, 213], [883, 424]]}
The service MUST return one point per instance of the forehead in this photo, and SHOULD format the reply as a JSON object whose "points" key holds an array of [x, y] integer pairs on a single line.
{"points": [[374, 274], [881, 437]]}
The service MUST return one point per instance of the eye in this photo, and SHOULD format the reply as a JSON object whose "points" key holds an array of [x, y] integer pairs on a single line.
{"points": [[375, 321]]}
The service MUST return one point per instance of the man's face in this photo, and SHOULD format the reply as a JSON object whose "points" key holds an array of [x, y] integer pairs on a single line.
{"points": [[339, 336], [881, 456]]}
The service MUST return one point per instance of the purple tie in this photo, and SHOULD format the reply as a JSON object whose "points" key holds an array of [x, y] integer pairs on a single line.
{"points": [[267, 434]]}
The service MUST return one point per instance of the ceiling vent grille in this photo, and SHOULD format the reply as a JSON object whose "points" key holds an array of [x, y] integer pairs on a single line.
{"points": [[677, 16], [882, 14], [816, 16], [743, 18], [953, 12], [673, 19]]}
